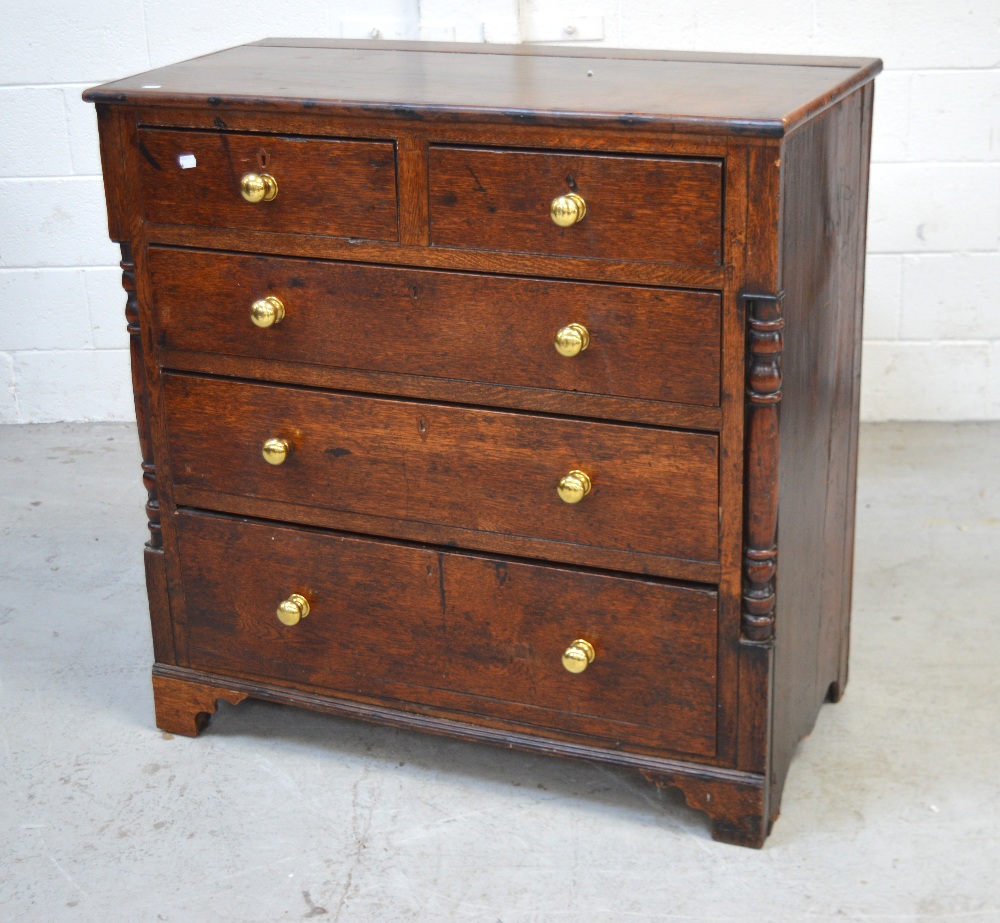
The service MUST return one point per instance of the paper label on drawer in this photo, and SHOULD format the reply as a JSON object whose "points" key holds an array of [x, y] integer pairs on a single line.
{"points": [[187, 161]]}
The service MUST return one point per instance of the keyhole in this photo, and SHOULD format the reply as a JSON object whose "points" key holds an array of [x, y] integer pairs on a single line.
{"points": [[262, 159], [571, 182]]}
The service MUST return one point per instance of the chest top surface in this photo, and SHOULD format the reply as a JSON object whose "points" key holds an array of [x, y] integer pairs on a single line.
{"points": [[759, 95]]}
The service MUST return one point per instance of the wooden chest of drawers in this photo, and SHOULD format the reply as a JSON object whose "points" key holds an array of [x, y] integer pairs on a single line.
{"points": [[476, 386]]}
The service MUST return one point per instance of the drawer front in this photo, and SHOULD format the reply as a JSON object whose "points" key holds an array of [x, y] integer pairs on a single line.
{"points": [[455, 631], [334, 188], [646, 343], [653, 491], [650, 209]]}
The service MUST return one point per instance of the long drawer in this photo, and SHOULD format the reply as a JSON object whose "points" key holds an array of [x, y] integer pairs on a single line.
{"points": [[652, 491], [645, 343], [457, 632]]}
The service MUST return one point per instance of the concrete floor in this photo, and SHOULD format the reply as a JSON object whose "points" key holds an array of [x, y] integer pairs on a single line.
{"points": [[890, 812]]}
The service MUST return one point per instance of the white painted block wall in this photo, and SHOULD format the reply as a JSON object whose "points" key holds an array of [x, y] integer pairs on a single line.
{"points": [[932, 326]]}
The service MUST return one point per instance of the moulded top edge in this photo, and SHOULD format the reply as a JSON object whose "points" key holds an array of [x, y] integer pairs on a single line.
{"points": [[742, 95]]}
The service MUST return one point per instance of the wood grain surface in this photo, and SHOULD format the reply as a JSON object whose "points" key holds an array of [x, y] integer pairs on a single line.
{"points": [[645, 343], [741, 94], [654, 491], [823, 188], [461, 631], [653, 209], [325, 187]]}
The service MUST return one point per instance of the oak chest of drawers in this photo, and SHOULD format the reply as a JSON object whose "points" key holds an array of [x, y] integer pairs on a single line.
{"points": [[502, 393]]}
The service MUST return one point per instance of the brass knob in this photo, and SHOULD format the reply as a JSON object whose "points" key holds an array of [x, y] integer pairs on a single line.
{"points": [[578, 656], [267, 311], [291, 611], [572, 340], [567, 210], [275, 451], [258, 187], [574, 487]]}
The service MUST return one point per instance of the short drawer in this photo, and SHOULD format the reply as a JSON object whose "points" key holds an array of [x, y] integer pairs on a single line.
{"points": [[457, 632], [650, 209], [645, 343], [326, 187], [653, 491]]}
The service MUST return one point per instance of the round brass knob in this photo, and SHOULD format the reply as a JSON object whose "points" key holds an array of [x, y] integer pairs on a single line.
{"points": [[572, 340], [267, 311], [258, 187], [578, 656], [275, 451], [567, 210], [574, 487], [291, 611]]}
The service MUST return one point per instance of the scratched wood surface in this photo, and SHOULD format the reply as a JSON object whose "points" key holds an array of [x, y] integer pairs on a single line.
{"points": [[646, 343], [654, 491], [325, 187], [461, 631], [719, 94], [651, 209]]}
